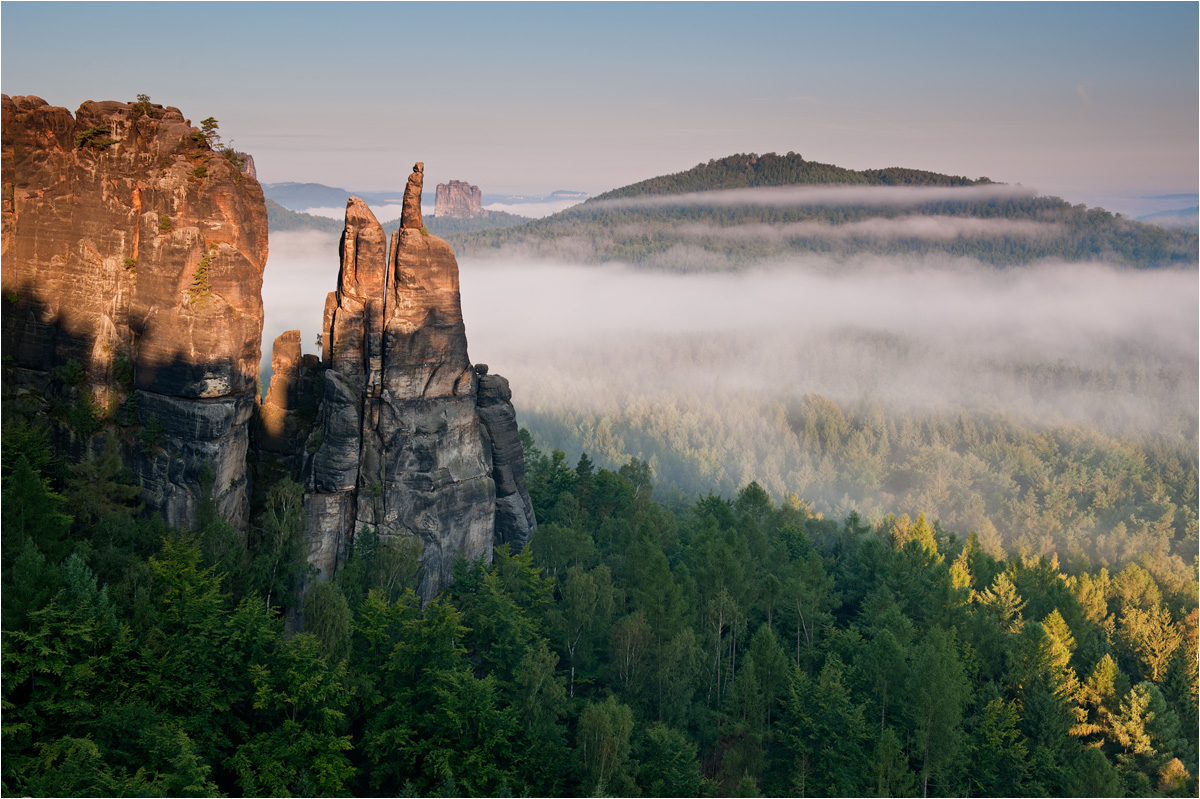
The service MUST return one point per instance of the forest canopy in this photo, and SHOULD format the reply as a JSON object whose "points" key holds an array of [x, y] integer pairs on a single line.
{"points": [[714, 647]]}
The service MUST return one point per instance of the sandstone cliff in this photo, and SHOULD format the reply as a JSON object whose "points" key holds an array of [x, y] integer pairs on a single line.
{"points": [[411, 440], [135, 250], [458, 200]]}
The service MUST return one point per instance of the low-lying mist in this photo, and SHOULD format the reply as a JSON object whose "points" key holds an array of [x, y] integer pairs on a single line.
{"points": [[946, 335], [931, 227], [711, 377], [785, 196]]}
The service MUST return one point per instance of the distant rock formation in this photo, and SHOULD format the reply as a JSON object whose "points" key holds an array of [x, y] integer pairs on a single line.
{"points": [[135, 250], [411, 440], [458, 200]]}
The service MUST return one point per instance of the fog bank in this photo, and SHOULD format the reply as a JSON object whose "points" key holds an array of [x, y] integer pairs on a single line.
{"points": [[1052, 341], [794, 196], [930, 227]]}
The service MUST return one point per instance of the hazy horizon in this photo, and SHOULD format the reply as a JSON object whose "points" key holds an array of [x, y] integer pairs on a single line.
{"points": [[1093, 102]]}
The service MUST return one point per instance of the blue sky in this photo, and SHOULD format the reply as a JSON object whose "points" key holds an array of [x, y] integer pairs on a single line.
{"points": [[1094, 102]]}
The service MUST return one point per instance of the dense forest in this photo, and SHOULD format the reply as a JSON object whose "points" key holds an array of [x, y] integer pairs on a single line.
{"points": [[710, 646], [1070, 489], [1005, 228]]}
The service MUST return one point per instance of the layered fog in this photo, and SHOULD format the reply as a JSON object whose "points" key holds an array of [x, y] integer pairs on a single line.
{"points": [[707, 376], [823, 195]]}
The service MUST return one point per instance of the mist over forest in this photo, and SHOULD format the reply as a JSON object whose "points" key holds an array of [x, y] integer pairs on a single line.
{"points": [[853, 382]]}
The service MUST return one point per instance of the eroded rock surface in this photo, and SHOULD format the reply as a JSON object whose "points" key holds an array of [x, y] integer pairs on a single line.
{"points": [[514, 510], [403, 444], [458, 200], [127, 241]]}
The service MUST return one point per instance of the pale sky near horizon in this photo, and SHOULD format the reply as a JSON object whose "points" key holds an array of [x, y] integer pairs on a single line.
{"points": [[1094, 102]]}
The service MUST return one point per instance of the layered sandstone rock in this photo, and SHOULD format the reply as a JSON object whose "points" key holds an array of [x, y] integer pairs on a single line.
{"points": [[458, 200], [404, 444], [127, 239]]}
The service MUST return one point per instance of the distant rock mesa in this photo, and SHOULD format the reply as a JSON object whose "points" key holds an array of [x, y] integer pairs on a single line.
{"points": [[458, 200]]}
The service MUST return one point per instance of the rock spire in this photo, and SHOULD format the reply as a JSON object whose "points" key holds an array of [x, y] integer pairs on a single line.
{"points": [[412, 440]]}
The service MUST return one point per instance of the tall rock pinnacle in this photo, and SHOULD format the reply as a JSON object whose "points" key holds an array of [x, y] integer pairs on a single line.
{"points": [[411, 216], [402, 447]]}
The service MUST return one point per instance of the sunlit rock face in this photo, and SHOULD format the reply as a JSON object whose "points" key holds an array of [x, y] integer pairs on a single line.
{"points": [[400, 446], [458, 200], [126, 238]]}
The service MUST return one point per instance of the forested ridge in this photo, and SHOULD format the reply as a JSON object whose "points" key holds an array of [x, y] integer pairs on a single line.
{"points": [[712, 646], [732, 235], [750, 170]]}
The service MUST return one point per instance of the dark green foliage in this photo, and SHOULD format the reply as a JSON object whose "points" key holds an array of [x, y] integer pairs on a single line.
{"points": [[235, 157], [208, 129], [201, 288], [95, 137], [327, 616], [723, 647], [443, 226], [281, 219]]}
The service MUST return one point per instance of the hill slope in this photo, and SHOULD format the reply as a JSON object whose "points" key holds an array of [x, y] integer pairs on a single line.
{"points": [[754, 171], [746, 209]]}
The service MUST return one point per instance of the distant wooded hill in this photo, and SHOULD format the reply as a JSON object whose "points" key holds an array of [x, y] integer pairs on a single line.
{"points": [[744, 171], [997, 226]]}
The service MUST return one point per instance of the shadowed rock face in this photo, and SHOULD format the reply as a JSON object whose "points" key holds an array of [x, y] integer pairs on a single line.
{"points": [[502, 444], [404, 446], [126, 237]]}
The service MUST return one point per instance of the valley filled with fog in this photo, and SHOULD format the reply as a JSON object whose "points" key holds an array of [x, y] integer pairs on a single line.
{"points": [[863, 383]]}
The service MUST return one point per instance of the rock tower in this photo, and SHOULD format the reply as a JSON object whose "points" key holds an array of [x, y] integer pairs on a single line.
{"points": [[411, 439], [458, 200]]}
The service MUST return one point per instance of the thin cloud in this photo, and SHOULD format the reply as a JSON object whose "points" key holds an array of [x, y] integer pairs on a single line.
{"points": [[1082, 91], [384, 213], [800, 196], [532, 210], [927, 227]]}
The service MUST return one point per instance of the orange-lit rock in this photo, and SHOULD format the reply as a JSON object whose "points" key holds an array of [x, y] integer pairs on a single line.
{"points": [[125, 236]]}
